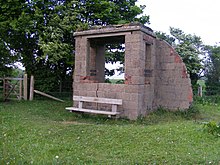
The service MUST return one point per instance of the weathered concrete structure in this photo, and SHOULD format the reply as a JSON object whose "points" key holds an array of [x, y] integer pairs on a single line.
{"points": [[155, 75]]}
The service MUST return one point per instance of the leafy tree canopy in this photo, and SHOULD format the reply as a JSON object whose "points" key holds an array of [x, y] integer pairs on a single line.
{"points": [[40, 33], [212, 68]]}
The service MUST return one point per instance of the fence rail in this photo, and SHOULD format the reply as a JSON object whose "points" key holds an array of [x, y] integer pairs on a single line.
{"points": [[12, 88], [11, 78], [62, 89], [23, 88]]}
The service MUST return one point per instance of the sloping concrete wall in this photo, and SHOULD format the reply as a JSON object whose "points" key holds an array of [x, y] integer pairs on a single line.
{"points": [[173, 86]]}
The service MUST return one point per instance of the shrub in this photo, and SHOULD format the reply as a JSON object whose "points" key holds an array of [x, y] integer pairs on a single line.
{"points": [[213, 128]]}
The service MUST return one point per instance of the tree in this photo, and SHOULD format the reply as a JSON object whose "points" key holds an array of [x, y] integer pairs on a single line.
{"points": [[169, 39], [41, 32], [9, 11], [212, 69], [190, 48], [79, 15], [5, 60]]}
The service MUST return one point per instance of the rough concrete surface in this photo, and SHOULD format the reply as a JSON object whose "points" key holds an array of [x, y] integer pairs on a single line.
{"points": [[155, 75]]}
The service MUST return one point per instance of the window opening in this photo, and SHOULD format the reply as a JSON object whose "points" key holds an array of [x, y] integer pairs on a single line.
{"points": [[114, 63], [106, 59]]}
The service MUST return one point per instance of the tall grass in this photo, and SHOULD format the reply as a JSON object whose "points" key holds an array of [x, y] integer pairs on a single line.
{"points": [[42, 132]]}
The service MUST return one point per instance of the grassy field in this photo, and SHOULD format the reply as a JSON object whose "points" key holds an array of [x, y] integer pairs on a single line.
{"points": [[42, 132]]}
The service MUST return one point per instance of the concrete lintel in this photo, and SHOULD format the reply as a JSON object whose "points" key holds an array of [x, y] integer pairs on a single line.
{"points": [[107, 35], [115, 29]]}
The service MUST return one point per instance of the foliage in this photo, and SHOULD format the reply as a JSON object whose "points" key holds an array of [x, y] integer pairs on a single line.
{"points": [[16, 72], [41, 132], [120, 81], [115, 81], [213, 128], [6, 60], [189, 47], [114, 53], [207, 100], [162, 115], [169, 39], [201, 83], [212, 67], [40, 33]]}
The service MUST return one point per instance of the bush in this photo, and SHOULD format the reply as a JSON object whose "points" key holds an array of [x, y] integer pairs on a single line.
{"points": [[213, 128], [208, 100]]}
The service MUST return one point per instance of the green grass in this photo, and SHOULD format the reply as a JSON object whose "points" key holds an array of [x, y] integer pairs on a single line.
{"points": [[115, 81], [42, 132]]}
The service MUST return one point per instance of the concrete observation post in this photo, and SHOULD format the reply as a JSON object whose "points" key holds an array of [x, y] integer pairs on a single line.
{"points": [[155, 75]]}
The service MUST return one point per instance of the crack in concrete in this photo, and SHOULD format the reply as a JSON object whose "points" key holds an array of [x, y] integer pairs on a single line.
{"points": [[97, 89]]}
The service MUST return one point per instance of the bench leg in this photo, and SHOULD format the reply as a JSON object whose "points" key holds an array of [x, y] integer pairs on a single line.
{"points": [[114, 108], [80, 104]]}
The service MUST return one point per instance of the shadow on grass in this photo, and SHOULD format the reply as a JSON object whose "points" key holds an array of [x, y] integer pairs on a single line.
{"points": [[49, 110], [160, 115]]}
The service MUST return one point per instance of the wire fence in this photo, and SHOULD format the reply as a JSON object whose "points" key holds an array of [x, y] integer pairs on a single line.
{"points": [[211, 90], [1, 90], [62, 89]]}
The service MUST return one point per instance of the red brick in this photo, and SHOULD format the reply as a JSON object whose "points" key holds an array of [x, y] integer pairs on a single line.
{"points": [[178, 59]]}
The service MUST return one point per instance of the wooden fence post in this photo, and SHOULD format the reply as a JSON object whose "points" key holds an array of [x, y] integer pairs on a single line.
{"points": [[31, 88], [200, 91], [4, 89], [25, 87], [20, 90]]}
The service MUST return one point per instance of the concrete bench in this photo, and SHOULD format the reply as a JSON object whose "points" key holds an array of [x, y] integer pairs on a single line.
{"points": [[82, 99]]}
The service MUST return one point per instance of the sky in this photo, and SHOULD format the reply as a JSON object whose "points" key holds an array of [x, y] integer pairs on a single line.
{"points": [[199, 17]]}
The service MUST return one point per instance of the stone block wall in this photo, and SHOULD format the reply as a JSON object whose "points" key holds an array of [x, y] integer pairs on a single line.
{"points": [[132, 96], [173, 86], [155, 75]]}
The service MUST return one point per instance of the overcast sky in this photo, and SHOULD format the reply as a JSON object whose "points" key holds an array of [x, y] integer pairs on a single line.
{"points": [[199, 17]]}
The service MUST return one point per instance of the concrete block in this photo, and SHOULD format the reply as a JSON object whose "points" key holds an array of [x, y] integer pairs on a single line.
{"points": [[77, 78], [130, 105], [76, 93], [104, 86], [184, 104], [115, 88], [91, 93], [83, 93], [120, 95], [131, 88], [126, 96], [110, 95], [148, 39], [133, 38], [168, 85], [101, 93]]}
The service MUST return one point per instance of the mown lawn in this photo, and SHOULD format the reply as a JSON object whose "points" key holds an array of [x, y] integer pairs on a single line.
{"points": [[42, 132]]}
